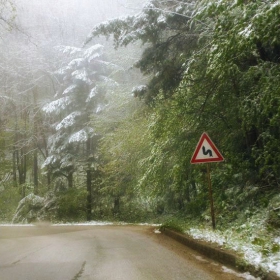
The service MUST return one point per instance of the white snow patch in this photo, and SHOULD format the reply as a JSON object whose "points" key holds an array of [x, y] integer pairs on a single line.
{"points": [[16, 225], [90, 223], [63, 71], [247, 31], [161, 19], [81, 75], [200, 258], [78, 62], [92, 94], [80, 136], [93, 52], [49, 160], [68, 121], [139, 88], [242, 241], [147, 224], [57, 105], [68, 50], [99, 108], [245, 275], [277, 240], [70, 89]]}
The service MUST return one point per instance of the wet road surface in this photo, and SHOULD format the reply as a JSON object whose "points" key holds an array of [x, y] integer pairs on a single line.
{"points": [[99, 253]]}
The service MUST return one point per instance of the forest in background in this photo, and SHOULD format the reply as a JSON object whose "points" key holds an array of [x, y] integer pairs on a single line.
{"points": [[101, 122]]}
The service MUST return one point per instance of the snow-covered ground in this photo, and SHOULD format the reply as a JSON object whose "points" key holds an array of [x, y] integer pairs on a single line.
{"points": [[91, 223], [257, 247], [245, 275]]}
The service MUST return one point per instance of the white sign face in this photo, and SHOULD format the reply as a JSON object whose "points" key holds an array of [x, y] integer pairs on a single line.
{"points": [[206, 151]]}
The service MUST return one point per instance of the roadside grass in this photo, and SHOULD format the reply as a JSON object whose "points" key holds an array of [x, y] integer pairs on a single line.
{"points": [[250, 235]]}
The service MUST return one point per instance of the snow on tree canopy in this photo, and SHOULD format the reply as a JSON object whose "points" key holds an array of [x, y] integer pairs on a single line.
{"points": [[81, 75], [34, 199], [99, 109], [80, 136], [49, 160], [63, 71], [139, 91], [70, 89], [108, 81], [83, 84], [66, 161], [78, 62], [68, 50], [68, 121], [93, 52], [57, 105], [92, 94], [161, 19]]}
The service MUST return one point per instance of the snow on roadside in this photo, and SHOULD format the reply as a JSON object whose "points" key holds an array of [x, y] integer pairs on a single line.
{"points": [[255, 254], [245, 275], [90, 223], [16, 225]]}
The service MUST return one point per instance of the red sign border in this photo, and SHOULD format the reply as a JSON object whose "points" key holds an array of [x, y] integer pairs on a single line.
{"points": [[206, 137]]}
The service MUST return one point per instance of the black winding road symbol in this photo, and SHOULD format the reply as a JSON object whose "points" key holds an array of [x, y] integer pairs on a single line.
{"points": [[206, 152]]}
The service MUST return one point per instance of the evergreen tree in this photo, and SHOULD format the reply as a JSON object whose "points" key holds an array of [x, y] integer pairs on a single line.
{"points": [[81, 95], [162, 27]]}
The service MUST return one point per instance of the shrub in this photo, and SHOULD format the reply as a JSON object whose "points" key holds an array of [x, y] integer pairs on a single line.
{"points": [[72, 205]]}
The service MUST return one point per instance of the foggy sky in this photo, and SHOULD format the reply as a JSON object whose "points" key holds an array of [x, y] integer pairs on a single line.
{"points": [[69, 21]]}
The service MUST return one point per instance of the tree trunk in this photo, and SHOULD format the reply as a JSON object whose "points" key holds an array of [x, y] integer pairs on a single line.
{"points": [[24, 166], [15, 152], [89, 194], [70, 180], [49, 179], [116, 209], [35, 137], [21, 166], [35, 170], [22, 169], [14, 168], [89, 191]]}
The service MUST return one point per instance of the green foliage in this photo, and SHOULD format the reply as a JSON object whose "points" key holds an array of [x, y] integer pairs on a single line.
{"points": [[230, 90], [9, 198], [241, 73], [71, 205], [173, 224], [123, 145], [273, 218]]}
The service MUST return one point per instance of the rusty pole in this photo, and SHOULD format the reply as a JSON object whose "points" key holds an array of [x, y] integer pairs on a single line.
{"points": [[211, 196]]}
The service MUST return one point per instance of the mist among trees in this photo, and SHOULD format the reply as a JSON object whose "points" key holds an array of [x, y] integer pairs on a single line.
{"points": [[103, 105]]}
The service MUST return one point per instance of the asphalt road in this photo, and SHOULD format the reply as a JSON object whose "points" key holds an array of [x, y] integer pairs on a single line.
{"points": [[99, 253]]}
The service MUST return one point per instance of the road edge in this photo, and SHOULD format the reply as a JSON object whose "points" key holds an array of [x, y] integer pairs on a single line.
{"points": [[218, 254]]}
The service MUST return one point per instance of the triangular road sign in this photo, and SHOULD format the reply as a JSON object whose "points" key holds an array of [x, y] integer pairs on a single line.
{"points": [[206, 151]]}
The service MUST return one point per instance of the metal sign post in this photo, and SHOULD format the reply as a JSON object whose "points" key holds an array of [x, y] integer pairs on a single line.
{"points": [[207, 152], [211, 196]]}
